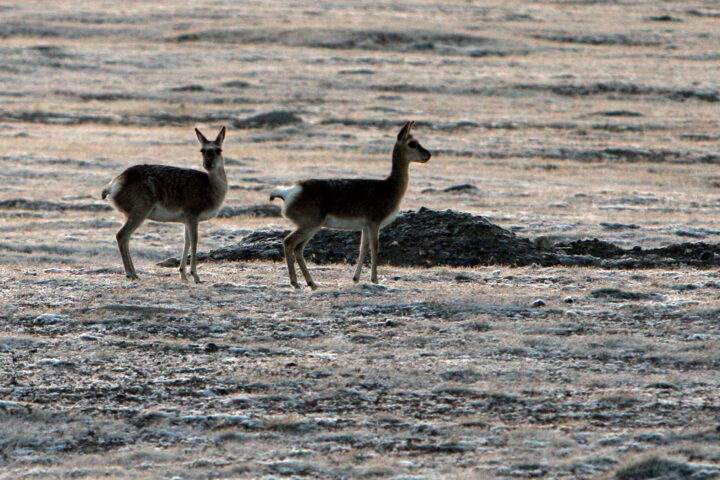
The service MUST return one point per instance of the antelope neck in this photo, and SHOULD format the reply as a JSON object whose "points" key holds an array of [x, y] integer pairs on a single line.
{"points": [[217, 176], [399, 173]]}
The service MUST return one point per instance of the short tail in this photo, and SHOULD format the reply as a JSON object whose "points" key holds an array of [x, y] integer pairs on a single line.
{"points": [[283, 193], [112, 188]]}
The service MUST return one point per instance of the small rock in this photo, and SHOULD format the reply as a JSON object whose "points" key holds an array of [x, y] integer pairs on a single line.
{"points": [[663, 386], [276, 118], [49, 319], [462, 376], [664, 18], [189, 88], [53, 270], [54, 362], [617, 294], [618, 226], [89, 337], [464, 188], [236, 84], [569, 300], [206, 393], [538, 303], [291, 467]]}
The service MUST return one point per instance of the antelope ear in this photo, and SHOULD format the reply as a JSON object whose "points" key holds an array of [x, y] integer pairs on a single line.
{"points": [[201, 137], [405, 131], [221, 136]]}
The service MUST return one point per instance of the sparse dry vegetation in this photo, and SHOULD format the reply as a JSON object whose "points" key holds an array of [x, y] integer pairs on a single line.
{"points": [[557, 121]]}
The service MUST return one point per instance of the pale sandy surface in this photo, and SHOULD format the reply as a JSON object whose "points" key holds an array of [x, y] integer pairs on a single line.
{"points": [[569, 117]]}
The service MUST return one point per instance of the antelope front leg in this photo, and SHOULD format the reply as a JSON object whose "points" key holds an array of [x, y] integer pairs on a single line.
{"points": [[193, 226], [374, 231], [364, 245], [183, 259]]}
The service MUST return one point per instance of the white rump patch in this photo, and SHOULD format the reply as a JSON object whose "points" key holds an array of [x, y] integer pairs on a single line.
{"points": [[287, 194], [115, 186]]}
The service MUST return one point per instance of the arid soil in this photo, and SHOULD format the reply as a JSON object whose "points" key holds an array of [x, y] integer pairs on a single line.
{"points": [[549, 303]]}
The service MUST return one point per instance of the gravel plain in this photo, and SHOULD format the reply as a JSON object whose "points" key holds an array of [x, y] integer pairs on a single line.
{"points": [[559, 130]]}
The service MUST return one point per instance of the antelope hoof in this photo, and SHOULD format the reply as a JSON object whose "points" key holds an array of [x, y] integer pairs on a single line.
{"points": [[356, 279], [374, 280], [313, 286], [196, 278], [295, 285], [132, 276]]}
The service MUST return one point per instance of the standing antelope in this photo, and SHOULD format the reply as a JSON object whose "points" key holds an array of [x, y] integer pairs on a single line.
{"points": [[348, 204], [170, 194]]}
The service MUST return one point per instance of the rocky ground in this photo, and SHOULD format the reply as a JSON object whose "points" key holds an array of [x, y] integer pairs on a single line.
{"points": [[548, 305]]}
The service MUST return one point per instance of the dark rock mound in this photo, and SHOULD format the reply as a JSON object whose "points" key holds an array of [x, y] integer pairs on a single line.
{"points": [[423, 238], [690, 253], [262, 211], [431, 237], [276, 118], [695, 254], [596, 248]]}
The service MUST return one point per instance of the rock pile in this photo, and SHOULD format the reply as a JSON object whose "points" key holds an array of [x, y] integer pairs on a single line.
{"points": [[429, 237]]}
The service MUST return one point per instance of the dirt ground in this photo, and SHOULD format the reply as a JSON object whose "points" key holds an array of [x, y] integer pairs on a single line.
{"points": [[569, 120]]}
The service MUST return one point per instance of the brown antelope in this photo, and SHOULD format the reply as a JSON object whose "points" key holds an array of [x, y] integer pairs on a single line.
{"points": [[348, 204], [170, 194]]}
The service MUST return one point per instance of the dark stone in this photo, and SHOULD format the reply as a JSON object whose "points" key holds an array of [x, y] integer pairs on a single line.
{"points": [[464, 188], [463, 376], [273, 119], [189, 88], [617, 294]]}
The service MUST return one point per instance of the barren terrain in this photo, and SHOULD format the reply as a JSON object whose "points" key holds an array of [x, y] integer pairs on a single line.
{"points": [[557, 121]]}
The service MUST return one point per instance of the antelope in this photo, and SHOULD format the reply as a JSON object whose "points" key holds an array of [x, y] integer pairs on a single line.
{"points": [[170, 194], [348, 204]]}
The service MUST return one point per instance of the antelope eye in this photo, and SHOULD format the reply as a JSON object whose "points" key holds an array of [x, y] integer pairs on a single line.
{"points": [[413, 144]]}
